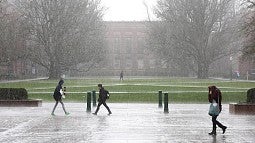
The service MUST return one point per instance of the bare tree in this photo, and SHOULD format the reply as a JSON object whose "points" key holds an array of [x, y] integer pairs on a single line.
{"points": [[195, 32], [63, 33], [248, 20], [11, 36]]}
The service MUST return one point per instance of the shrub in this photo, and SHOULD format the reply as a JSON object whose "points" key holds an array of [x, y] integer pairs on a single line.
{"points": [[13, 94], [251, 95]]}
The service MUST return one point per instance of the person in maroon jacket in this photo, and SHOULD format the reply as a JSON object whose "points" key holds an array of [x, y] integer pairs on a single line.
{"points": [[215, 94], [103, 95]]}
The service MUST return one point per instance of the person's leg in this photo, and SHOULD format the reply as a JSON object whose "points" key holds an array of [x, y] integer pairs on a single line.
{"points": [[63, 106], [105, 105], [214, 125], [56, 104], [221, 126], [98, 107]]}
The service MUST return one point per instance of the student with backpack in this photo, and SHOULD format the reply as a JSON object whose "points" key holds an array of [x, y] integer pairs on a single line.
{"points": [[103, 96]]}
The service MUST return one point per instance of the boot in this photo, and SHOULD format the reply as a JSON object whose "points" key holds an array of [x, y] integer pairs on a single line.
{"points": [[96, 111], [212, 133], [224, 129]]}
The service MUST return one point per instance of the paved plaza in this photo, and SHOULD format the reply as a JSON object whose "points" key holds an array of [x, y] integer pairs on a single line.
{"points": [[129, 122]]}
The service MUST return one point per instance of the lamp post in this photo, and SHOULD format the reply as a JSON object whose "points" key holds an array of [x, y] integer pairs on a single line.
{"points": [[231, 68]]}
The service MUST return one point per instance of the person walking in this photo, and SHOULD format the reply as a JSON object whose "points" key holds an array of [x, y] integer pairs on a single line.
{"points": [[214, 97], [121, 75], [103, 96], [58, 94]]}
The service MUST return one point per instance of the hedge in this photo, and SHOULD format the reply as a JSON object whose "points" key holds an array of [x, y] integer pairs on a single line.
{"points": [[13, 94], [251, 95]]}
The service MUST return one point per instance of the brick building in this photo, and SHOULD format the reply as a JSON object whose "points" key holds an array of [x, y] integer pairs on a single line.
{"points": [[126, 51], [247, 67]]}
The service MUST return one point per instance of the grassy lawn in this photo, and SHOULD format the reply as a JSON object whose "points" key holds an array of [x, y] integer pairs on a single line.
{"points": [[181, 90]]}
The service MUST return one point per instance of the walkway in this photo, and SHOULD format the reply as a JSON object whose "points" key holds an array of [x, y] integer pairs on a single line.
{"points": [[128, 123]]}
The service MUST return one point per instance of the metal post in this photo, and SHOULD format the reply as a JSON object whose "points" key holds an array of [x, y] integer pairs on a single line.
{"points": [[247, 75], [231, 68], [88, 101], [166, 110], [160, 99], [94, 98]]}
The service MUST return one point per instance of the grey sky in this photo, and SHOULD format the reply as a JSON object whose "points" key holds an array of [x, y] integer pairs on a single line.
{"points": [[127, 10]]}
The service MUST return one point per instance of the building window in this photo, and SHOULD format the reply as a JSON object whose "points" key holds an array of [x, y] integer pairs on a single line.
{"points": [[116, 45], [116, 63], [128, 45], [140, 64], [129, 62], [140, 45], [109, 44]]}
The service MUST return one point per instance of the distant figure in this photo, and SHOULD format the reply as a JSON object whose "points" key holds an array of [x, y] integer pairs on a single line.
{"points": [[58, 94], [214, 96], [121, 75], [103, 95], [237, 74]]}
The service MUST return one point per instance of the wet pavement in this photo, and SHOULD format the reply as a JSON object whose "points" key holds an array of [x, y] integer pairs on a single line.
{"points": [[129, 122]]}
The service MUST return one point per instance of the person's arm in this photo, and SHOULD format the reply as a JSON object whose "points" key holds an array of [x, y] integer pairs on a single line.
{"points": [[107, 94], [220, 98]]}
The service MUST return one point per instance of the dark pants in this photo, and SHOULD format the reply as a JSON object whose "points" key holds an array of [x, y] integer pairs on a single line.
{"points": [[56, 104], [105, 105], [215, 122]]}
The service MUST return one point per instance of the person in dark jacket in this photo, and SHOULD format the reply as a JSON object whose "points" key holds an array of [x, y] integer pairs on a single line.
{"points": [[103, 95], [214, 95], [58, 93], [121, 75]]}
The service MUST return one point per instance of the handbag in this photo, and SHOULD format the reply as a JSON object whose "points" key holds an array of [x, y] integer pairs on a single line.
{"points": [[214, 109]]}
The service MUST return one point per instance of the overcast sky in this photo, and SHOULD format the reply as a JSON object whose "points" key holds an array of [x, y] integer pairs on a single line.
{"points": [[127, 10]]}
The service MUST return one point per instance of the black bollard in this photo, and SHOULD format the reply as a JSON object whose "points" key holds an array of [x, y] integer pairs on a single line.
{"points": [[166, 110], [160, 99], [94, 98], [88, 101]]}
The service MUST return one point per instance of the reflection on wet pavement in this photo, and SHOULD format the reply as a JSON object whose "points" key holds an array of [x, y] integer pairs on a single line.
{"points": [[129, 123]]}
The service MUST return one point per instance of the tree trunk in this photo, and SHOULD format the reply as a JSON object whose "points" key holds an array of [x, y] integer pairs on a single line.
{"points": [[203, 71], [55, 71]]}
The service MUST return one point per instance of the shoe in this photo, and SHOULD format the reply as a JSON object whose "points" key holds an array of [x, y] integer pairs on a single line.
{"points": [[110, 113], [224, 129], [94, 113], [67, 113], [212, 133], [53, 114]]}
